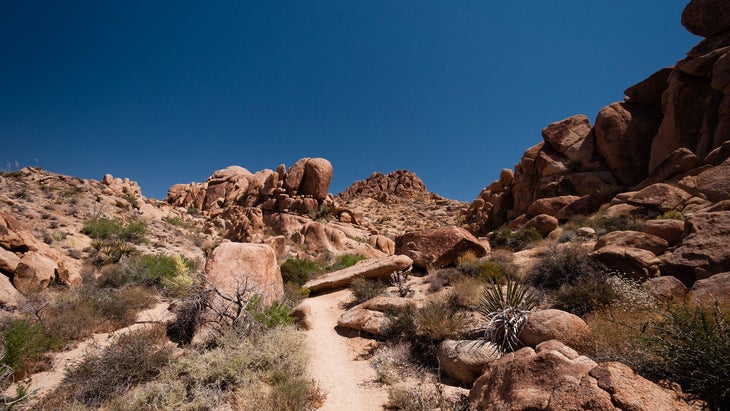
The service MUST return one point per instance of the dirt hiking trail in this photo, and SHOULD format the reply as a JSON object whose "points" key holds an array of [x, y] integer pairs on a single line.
{"points": [[350, 384]]}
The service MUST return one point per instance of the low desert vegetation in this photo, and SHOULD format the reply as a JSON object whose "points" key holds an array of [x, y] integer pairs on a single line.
{"points": [[300, 270], [170, 274], [364, 289], [604, 224], [115, 229], [423, 396], [515, 240]]}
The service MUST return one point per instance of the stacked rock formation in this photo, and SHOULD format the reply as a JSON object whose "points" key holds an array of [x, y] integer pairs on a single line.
{"points": [[674, 124]]}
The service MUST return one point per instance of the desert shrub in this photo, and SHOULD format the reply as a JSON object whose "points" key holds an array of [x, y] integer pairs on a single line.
{"points": [[466, 292], [24, 345], [443, 277], [483, 270], [394, 362], [170, 274], [344, 261], [604, 224], [133, 358], [515, 240], [690, 345], [422, 397], [294, 294], [364, 289], [505, 309], [176, 221], [586, 296], [90, 310], [265, 370], [563, 266], [187, 318], [110, 229], [438, 319], [298, 270], [111, 251], [274, 315], [671, 215]]}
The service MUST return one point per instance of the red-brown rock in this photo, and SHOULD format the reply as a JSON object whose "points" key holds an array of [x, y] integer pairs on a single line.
{"points": [[634, 239], [710, 290], [660, 197], [670, 230], [316, 179], [649, 91], [545, 325], [543, 223], [635, 263], [550, 205], [706, 18], [665, 287], [439, 247], [624, 134]]}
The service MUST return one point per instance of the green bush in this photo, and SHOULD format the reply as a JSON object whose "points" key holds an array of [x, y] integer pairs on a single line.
{"points": [[168, 273], [25, 343], [563, 266], [691, 346], [483, 270], [586, 296], [603, 224], [515, 240], [344, 261], [364, 289], [505, 310], [299, 270], [438, 320], [115, 229], [671, 215], [275, 315]]}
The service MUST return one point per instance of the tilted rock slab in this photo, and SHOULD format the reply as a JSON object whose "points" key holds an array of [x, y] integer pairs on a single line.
{"points": [[370, 268], [371, 316], [464, 360]]}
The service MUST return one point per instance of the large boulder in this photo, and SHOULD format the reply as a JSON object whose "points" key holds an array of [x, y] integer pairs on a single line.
{"points": [[370, 268], [713, 183], [464, 360], [710, 290], [553, 377], [316, 179], [704, 250], [706, 18], [371, 316], [545, 325], [635, 239], [10, 298], [669, 230], [649, 91], [237, 267], [624, 133], [666, 287], [635, 263], [34, 272], [550, 206], [439, 247], [543, 223], [660, 197]]}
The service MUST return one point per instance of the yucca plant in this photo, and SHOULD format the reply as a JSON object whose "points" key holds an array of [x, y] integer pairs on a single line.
{"points": [[505, 308]]}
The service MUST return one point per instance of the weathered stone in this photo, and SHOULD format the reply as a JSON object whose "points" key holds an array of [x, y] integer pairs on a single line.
{"points": [[439, 247], [712, 184], [704, 250], [720, 154], [550, 206], [34, 272], [545, 325], [386, 303], [370, 321], [624, 133], [237, 267], [633, 239], [382, 243], [635, 263], [678, 162], [706, 18], [666, 287], [295, 175], [464, 360], [399, 183], [316, 179], [10, 298], [8, 261], [660, 197], [370, 268], [710, 290], [670, 230], [649, 91], [319, 238], [543, 223]]}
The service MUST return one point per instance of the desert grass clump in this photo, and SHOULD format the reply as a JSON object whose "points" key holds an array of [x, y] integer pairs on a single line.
{"points": [[299, 270], [133, 358], [169, 274], [364, 289], [505, 309], [422, 397], [260, 371], [115, 229], [344, 261], [394, 361], [586, 296], [438, 319]]}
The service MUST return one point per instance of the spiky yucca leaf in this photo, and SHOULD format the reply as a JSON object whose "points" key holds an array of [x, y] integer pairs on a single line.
{"points": [[505, 311]]}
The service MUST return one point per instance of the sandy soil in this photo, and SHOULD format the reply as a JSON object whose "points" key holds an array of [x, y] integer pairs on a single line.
{"points": [[42, 383], [350, 383]]}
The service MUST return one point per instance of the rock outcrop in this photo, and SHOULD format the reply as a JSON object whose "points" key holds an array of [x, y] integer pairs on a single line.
{"points": [[553, 377], [370, 268], [438, 248], [672, 128], [464, 360]]}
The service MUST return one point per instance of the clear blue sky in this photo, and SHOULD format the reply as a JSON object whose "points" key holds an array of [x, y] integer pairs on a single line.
{"points": [[166, 92]]}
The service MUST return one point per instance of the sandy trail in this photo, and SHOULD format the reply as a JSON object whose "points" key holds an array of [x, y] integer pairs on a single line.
{"points": [[348, 382]]}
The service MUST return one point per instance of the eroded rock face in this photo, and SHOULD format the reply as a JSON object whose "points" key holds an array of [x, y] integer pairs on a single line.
{"points": [[34, 272], [709, 290], [399, 183], [635, 239], [703, 251], [669, 230], [660, 197], [706, 18], [233, 266], [464, 360], [371, 316], [553, 377], [665, 287], [633, 262], [439, 247]]}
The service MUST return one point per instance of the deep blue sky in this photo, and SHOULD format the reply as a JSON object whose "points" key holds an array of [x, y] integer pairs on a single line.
{"points": [[166, 92]]}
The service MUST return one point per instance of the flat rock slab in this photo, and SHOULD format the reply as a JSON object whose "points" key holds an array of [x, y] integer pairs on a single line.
{"points": [[370, 268]]}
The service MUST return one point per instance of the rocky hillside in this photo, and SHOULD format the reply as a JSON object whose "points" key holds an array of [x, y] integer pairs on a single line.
{"points": [[398, 202]]}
